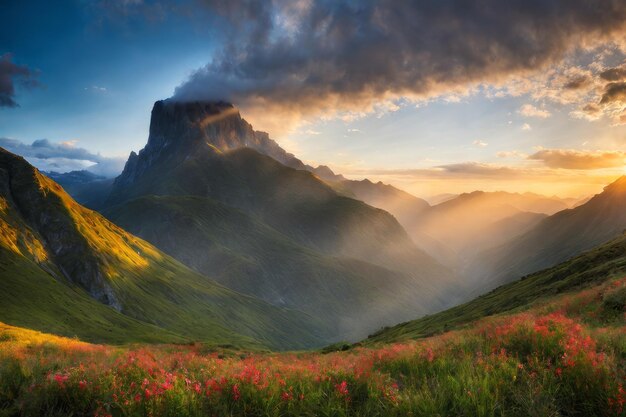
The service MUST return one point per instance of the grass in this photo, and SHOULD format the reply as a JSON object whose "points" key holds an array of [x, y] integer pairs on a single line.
{"points": [[560, 358]]}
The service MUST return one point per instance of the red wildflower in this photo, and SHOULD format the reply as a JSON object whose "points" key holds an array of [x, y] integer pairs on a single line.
{"points": [[236, 392], [342, 389], [61, 380]]}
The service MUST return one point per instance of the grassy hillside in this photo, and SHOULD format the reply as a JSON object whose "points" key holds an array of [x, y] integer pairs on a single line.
{"points": [[593, 267], [49, 239], [243, 253]]}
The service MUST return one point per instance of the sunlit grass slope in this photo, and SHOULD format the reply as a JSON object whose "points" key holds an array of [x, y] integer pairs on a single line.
{"points": [[61, 262], [32, 298]]}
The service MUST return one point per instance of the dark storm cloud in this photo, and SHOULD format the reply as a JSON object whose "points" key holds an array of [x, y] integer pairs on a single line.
{"points": [[10, 75], [614, 92], [614, 74], [315, 56], [577, 82], [63, 156]]}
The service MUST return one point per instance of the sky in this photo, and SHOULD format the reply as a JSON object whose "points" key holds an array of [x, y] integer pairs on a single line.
{"points": [[432, 96]]}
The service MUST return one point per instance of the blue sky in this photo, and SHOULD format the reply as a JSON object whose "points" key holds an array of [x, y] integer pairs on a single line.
{"points": [[99, 74], [100, 66]]}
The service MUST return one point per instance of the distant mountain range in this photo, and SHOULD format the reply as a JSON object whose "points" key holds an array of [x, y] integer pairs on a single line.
{"points": [[85, 187], [555, 238], [457, 229]]}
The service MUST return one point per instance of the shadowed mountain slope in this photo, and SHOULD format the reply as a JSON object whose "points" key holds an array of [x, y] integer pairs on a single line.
{"points": [[244, 254], [87, 188]]}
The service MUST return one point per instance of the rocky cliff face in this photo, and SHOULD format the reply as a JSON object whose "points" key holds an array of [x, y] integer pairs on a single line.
{"points": [[180, 130]]}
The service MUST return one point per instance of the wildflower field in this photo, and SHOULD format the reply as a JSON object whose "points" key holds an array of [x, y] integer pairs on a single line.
{"points": [[565, 357]]}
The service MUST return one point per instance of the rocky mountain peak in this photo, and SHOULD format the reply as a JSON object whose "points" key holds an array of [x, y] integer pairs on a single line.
{"points": [[181, 130], [176, 124]]}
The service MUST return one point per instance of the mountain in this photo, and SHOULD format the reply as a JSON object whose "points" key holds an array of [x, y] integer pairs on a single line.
{"points": [[67, 269], [473, 222], [72, 178], [351, 296], [213, 193], [87, 188], [585, 270], [404, 206], [558, 237], [441, 198], [178, 129]]}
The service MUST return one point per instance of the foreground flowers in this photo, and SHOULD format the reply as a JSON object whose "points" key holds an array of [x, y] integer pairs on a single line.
{"points": [[554, 360]]}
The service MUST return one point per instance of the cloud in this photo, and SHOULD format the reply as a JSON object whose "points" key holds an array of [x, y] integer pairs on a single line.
{"points": [[63, 157], [10, 75], [479, 143], [312, 132], [614, 74], [511, 154], [614, 92], [526, 127], [96, 89], [577, 82], [454, 171], [528, 110], [573, 159], [324, 58]]}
